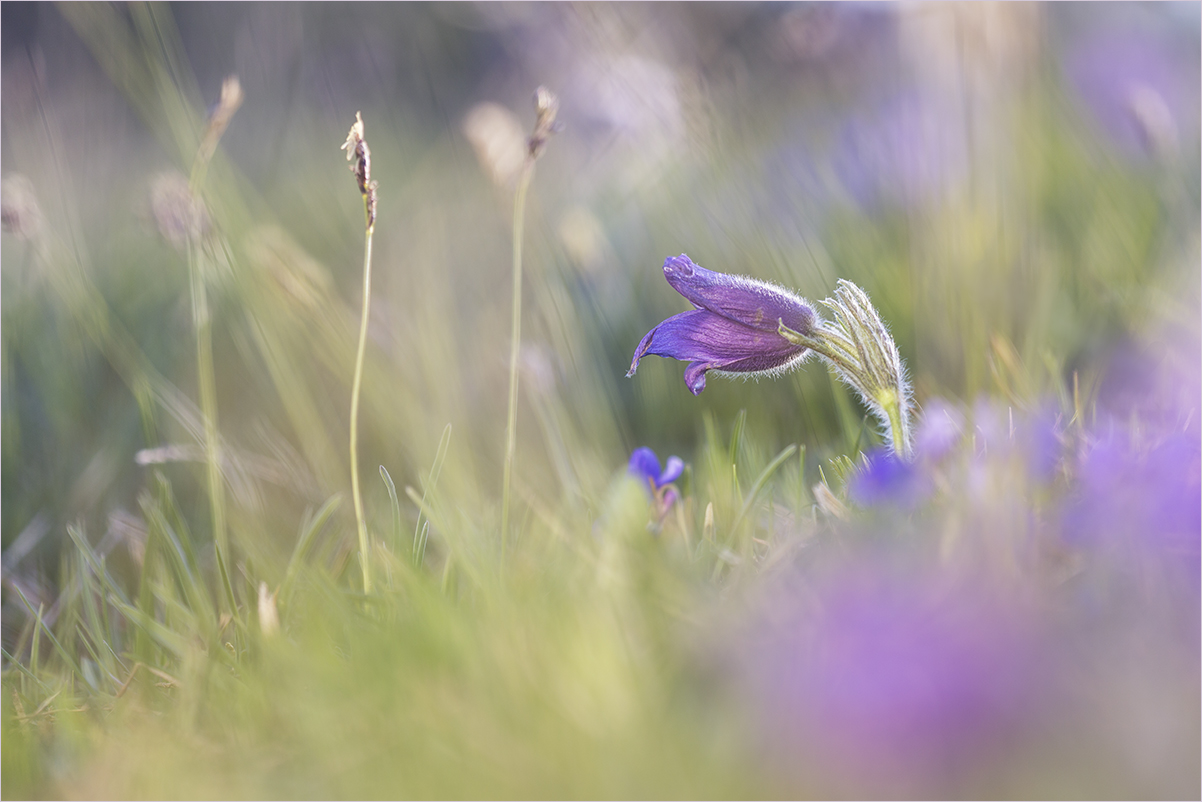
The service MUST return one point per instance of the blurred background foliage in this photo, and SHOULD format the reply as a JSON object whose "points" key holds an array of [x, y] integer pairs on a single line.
{"points": [[1016, 186]]}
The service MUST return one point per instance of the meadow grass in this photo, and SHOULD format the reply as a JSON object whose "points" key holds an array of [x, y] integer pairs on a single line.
{"points": [[804, 615]]}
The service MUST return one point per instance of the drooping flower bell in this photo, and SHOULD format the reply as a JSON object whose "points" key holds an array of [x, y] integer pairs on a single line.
{"points": [[734, 328], [749, 327]]}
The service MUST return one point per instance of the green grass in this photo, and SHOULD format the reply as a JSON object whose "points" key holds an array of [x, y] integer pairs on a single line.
{"points": [[550, 639]]}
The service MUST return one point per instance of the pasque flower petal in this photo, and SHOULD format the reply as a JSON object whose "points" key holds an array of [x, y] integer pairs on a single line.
{"points": [[709, 341], [753, 303], [734, 329]]}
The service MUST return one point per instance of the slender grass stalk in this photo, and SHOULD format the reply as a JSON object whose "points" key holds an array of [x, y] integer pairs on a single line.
{"points": [[546, 107], [359, 154], [202, 321], [356, 385], [511, 425]]}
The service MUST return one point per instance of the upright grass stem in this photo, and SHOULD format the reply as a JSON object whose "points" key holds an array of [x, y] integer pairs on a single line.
{"points": [[202, 320], [546, 107], [511, 425], [356, 384], [359, 154]]}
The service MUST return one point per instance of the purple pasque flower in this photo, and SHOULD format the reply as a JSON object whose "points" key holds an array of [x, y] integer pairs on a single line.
{"points": [[1136, 88], [734, 328], [1135, 498], [644, 465], [885, 479], [884, 681]]}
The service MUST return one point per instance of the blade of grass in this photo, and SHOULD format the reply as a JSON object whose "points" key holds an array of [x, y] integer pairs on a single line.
{"points": [[394, 505], [161, 634], [304, 543], [71, 662], [12, 661], [35, 647], [85, 550], [736, 435], [444, 442], [760, 481]]}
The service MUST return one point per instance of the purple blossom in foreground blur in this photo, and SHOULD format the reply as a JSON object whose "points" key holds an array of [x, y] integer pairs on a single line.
{"points": [[939, 430], [1146, 499], [1134, 90], [734, 328], [886, 683], [886, 479]]}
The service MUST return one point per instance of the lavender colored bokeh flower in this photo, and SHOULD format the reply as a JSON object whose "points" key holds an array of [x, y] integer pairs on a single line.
{"points": [[903, 153], [939, 430], [734, 328], [1134, 90], [889, 683], [886, 479], [1146, 499]]}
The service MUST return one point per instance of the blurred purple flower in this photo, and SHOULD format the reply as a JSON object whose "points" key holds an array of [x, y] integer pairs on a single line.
{"points": [[939, 430], [1133, 89], [905, 153], [1148, 499], [884, 479], [888, 681], [644, 466], [1033, 438], [734, 328]]}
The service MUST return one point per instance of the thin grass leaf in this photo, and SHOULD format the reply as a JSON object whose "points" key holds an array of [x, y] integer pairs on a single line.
{"points": [[760, 481], [35, 647], [304, 543], [736, 435], [444, 442], [394, 505], [178, 554], [81, 542], [162, 635], [84, 637], [171, 514], [15, 663], [95, 630], [71, 663]]}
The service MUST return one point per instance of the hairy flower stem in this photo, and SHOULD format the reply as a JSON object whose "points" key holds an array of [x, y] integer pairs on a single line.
{"points": [[364, 551], [846, 356], [511, 426]]}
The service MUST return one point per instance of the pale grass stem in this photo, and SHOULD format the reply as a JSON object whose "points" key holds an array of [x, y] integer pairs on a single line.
{"points": [[546, 107], [359, 154], [511, 425], [202, 319], [356, 385]]}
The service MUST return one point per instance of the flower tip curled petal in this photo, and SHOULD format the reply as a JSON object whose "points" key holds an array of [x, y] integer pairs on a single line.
{"points": [[694, 377], [672, 471], [640, 352]]}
